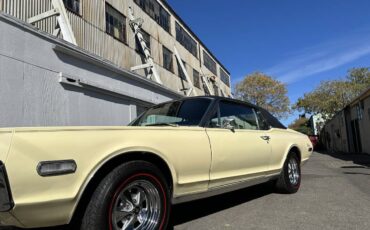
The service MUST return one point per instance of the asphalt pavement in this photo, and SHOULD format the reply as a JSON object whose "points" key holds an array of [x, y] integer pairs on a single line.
{"points": [[335, 194]]}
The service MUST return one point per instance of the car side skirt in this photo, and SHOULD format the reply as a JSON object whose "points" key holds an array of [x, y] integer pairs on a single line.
{"points": [[227, 188]]}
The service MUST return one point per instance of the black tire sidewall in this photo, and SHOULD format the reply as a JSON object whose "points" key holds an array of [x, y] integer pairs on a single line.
{"points": [[99, 210], [292, 188]]}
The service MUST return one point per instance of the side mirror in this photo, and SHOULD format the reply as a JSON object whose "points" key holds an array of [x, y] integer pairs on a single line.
{"points": [[227, 124]]}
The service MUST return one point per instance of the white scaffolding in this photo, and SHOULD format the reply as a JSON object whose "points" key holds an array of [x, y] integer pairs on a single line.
{"points": [[149, 62], [64, 25], [206, 84], [189, 90]]}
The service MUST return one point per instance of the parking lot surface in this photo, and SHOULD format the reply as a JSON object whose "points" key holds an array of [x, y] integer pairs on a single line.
{"points": [[335, 194]]}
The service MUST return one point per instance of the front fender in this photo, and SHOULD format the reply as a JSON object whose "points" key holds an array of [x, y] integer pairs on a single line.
{"points": [[121, 152], [287, 151], [50, 201]]}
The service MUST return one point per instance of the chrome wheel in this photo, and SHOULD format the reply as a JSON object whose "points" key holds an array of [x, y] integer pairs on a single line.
{"points": [[293, 171], [137, 206]]}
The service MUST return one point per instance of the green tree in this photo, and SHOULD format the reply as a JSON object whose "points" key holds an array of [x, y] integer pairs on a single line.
{"points": [[301, 125], [332, 96], [266, 92], [359, 79]]}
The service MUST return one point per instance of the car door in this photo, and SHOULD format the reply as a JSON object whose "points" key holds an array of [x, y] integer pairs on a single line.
{"points": [[240, 149], [280, 140]]}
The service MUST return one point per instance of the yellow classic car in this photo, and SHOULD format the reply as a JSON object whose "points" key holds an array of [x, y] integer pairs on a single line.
{"points": [[128, 177]]}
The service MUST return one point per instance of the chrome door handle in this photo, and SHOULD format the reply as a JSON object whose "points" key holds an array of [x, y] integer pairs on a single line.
{"points": [[266, 138]]}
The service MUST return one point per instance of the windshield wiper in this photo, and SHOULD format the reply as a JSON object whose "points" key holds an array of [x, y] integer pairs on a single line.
{"points": [[163, 124]]}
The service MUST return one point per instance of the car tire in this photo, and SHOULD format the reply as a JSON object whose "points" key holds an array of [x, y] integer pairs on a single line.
{"points": [[134, 194], [289, 180]]}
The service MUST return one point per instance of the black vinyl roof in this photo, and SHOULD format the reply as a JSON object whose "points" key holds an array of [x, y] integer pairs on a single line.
{"points": [[274, 122]]}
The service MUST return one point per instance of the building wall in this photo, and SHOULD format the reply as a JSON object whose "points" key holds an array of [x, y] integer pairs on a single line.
{"points": [[335, 134], [89, 29], [364, 124], [48, 82], [340, 133]]}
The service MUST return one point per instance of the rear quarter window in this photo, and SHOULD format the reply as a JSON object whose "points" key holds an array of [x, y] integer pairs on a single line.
{"points": [[271, 120]]}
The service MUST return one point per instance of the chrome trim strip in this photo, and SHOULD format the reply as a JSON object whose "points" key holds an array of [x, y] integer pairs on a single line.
{"points": [[223, 189]]}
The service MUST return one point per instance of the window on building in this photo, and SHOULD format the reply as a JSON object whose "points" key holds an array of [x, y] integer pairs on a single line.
{"points": [[180, 71], [156, 12], [72, 5], [146, 38], [209, 63], [164, 20], [225, 78], [185, 40], [196, 79], [167, 59], [115, 23], [360, 110]]}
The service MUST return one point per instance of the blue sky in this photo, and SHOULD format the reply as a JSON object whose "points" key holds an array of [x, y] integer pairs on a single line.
{"points": [[298, 42]]}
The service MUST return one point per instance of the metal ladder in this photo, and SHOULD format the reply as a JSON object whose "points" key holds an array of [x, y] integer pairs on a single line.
{"points": [[205, 82], [149, 62], [189, 90], [62, 18]]}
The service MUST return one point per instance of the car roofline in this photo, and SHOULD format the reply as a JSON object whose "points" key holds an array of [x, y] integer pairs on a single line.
{"points": [[213, 98]]}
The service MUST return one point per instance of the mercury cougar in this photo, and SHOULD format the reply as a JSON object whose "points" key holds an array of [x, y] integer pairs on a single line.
{"points": [[127, 177]]}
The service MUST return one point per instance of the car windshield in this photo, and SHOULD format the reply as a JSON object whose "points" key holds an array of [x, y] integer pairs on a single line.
{"points": [[178, 113]]}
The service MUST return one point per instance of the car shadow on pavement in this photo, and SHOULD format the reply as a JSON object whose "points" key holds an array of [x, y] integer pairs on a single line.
{"points": [[189, 211], [362, 159], [357, 173]]}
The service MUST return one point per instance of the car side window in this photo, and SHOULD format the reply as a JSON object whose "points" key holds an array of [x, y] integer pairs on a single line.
{"points": [[238, 116], [183, 113], [263, 124]]}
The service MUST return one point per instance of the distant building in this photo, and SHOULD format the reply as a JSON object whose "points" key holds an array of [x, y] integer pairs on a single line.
{"points": [[316, 123], [349, 130]]}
